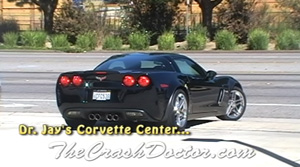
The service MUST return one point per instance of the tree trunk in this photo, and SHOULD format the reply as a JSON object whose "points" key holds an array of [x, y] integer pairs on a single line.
{"points": [[48, 20], [48, 8], [207, 7], [207, 13]]}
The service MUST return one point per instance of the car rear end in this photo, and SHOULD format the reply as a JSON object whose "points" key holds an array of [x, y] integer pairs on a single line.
{"points": [[111, 96]]}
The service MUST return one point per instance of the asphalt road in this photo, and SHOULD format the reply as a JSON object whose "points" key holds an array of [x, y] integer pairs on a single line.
{"points": [[271, 81]]}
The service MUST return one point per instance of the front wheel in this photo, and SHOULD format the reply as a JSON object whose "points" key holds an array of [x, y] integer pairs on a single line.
{"points": [[236, 105], [178, 110]]}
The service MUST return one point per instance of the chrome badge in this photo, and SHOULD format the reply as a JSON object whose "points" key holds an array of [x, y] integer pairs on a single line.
{"points": [[101, 78]]}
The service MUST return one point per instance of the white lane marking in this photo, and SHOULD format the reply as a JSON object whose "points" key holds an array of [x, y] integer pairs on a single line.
{"points": [[27, 66], [29, 100], [279, 105], [50, 100], [16, 105]]}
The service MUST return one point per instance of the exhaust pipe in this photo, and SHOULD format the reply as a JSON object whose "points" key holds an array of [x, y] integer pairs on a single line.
{"points": [[115, 117], [97, 117], [109, 117], [92, 117]]}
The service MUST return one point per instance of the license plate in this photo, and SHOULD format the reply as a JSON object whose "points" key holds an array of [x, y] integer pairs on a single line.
{"points": [[101, 95]]}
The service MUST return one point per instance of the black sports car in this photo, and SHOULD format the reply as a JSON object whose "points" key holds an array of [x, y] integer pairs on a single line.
{"points": [[167, 88]]}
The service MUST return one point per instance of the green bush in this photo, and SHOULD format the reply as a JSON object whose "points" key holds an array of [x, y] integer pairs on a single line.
{"points": [[225, 40], [288, 40], [8, 26], [10, 38], [87, 41], [258, 40], [200, 29], [27, 38], [82, 42], [34, 39], [40, 38], [93, 39], [196, 41], [73, 21], [113, 43], [166, 41], [60, 41], [139, 40]]}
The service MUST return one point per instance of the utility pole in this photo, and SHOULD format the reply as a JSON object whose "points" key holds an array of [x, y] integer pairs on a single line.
{"points": [[187, 16], [1, 10]]}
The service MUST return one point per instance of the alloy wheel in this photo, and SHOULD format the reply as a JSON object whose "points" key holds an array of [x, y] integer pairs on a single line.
{"points": [[180, 110], [236, 104]]}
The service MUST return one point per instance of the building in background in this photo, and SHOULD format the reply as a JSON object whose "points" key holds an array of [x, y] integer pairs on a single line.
{"points": [[30, 17]]}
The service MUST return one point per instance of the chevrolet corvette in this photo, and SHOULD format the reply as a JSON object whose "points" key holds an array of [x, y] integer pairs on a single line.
{"points": [[164, 88]]}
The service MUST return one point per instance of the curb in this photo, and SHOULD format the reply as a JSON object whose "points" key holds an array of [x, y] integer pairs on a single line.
{"points": [[195, 51], [156, 51], [34, 51]]}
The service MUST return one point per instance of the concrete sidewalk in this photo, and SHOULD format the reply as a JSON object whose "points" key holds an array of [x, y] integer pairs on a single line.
{"points": [[271, 142]]}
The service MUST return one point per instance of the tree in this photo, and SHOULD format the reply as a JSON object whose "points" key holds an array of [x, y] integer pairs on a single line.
{"points": [[70, 21], [237, 17], [154, 16], [291, 10], [73, 21], [47, 6], [207, 7]]}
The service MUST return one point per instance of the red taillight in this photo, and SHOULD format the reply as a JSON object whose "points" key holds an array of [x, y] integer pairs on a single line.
{"points": [[144, 81], [128, 80], [64, 81], [77, 80]]}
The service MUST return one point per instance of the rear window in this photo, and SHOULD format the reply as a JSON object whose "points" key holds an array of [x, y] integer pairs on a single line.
{"points": [[135, 63]]}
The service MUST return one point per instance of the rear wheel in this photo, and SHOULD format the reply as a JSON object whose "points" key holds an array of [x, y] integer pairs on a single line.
{"points": [[75, 123], [236, 105], [178, 110]]}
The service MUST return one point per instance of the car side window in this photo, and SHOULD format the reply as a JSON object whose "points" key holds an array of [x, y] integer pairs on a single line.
{"points": [[117, 65], [151, 64], [189, 68]]}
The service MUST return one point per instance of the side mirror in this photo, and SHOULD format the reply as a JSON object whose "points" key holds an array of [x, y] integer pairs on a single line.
{"points": [[210, 75]]}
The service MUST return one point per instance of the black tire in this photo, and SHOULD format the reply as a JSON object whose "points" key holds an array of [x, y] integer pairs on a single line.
{"points": [[75, 123], [240, 105], [171, 112]]}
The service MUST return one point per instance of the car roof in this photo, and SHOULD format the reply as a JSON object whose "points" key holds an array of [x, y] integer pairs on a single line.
{"points": [[147, 54]]}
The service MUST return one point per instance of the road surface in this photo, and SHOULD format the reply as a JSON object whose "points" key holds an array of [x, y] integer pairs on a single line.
{"points": [[269, 130]]}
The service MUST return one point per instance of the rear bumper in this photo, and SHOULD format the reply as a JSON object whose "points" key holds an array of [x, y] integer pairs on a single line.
{"points": [[117, 114]]}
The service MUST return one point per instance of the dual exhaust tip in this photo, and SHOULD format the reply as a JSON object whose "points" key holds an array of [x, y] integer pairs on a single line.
{"points": [[108, 117], [94, 117], [112, 117]]}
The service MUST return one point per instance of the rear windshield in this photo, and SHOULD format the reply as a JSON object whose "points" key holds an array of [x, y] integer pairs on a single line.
{"points": [[135, 63]]}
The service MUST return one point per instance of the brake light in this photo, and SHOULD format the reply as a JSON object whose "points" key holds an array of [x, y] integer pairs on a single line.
{"points": [[77, 80], [101, 72], [128, 80], [144, 81], [64, 81], [164, 85]]}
